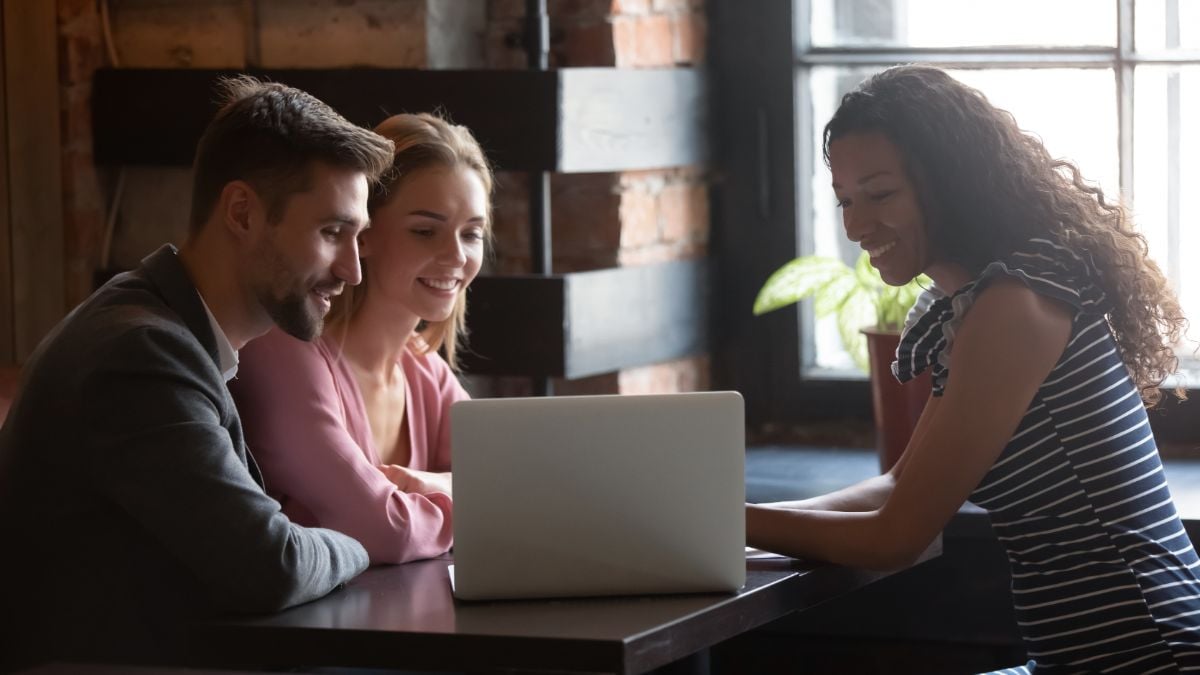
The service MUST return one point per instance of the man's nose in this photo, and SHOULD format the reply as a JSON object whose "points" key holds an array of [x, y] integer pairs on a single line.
{"points": [[346, 265]]}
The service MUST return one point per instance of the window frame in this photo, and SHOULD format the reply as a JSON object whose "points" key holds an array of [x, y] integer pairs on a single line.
{"points": [[764, 143]]}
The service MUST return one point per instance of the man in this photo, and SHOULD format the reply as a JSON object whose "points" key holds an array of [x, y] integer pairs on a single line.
{"points": [[129, 505]]}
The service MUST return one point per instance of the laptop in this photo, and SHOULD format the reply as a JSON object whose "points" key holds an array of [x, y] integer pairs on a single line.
{"points": [[598, 495]]}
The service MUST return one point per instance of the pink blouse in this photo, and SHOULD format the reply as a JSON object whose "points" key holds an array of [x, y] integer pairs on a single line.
{"points": [[306, 425]]}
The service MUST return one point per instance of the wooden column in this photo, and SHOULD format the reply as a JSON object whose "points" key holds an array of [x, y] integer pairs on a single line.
{"points": [[6, 296], [31, 255]]}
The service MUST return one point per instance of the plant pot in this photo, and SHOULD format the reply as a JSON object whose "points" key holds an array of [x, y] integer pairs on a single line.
{"points": [[897, 406]]}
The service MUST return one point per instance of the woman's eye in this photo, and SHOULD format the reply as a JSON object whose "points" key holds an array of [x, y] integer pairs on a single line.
{"points": [[880, 196], [473, 235], [332, 232], [422, 231], [843, 203]]}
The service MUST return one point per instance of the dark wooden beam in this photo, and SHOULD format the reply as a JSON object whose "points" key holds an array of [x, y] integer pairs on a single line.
{"points": [[586, 323], [155, 116], [34, 147], [7, 320], [567, 121]]}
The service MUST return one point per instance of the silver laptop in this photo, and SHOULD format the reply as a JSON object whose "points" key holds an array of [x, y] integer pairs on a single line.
{"points": [[598, 495]]}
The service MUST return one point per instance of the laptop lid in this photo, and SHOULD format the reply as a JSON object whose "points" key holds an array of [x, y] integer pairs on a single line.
{"points": [[598, 495]]}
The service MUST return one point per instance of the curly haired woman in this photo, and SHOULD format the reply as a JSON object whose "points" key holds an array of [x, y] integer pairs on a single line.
{"points": [[1048, 332]]}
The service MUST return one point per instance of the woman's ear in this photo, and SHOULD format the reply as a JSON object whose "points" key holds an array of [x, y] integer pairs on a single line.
{"points": [[365, 241]]}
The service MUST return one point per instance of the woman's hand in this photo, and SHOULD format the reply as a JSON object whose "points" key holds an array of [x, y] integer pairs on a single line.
{"points": [[417, 482]]}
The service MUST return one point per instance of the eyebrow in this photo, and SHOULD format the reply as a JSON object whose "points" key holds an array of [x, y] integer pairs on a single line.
{"points": [[864, 179], [345, 219], [439, 217]]}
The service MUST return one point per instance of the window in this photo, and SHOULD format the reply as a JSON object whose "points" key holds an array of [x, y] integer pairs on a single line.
{"points": [[1122, 102]]}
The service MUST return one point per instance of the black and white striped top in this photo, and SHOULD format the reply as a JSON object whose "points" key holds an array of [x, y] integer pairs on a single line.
{"points": [[1104, 576]]}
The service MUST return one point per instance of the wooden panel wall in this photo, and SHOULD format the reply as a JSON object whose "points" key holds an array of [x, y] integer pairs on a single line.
{"points": [[6, 300], [35, 222]]}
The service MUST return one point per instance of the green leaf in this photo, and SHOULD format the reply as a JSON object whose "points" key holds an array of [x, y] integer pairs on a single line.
{"points": [[833, 295], [856, 313], [796, 280], [866, 273], [858, 296]]}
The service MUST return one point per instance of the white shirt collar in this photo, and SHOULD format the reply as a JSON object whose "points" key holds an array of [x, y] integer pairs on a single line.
{"points": [[227, 356]]}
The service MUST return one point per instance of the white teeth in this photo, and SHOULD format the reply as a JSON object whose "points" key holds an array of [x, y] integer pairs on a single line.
{"points": [[880, 250], [441, 284]]}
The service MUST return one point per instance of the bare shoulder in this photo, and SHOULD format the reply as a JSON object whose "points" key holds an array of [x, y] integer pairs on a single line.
{"points": [[1010, 326], [1007, 308]]}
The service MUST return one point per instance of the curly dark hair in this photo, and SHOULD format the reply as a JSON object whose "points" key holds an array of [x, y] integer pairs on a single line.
{"points": [[986, 187]]}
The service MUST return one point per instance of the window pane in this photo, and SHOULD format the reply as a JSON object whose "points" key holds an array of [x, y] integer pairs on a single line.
{"points": [[1166, 159], [955, 23], [1167, 24], [1073, 111]]}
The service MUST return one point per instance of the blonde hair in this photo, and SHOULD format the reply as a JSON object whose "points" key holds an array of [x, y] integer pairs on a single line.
{"points": [[422, 141]]}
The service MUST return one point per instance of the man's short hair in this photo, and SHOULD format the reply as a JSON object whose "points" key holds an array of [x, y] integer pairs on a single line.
{"points": [[268, 135]]}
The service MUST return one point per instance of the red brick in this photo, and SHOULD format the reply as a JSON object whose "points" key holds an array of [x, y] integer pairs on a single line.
{"points": [[689, 33], [70, 9], [661, 252], [682, 375], [81, 53], [500, 48], [639, 218], [510, 216], [577, 10], [684, 213], [606, 383], [629, 7], [587, 44], [585, 214], [643, 42], [585, 221], [668, 6]]}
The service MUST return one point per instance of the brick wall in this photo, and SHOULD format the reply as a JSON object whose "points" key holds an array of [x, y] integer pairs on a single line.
{"points": [[153, 201], [600, 220], [604, 220]]}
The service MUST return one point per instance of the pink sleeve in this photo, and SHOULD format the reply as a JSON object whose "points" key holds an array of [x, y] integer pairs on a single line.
{"points": [[440, 389], [296, 427]]}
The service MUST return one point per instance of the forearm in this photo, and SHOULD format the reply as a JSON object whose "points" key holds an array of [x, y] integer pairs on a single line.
{"points": [[868, 495], [857, 539]]}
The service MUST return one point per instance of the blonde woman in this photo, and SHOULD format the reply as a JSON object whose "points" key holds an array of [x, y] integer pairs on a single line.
{"points": [[351, 431]]}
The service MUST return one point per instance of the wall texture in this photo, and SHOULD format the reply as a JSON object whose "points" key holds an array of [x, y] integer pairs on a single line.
{"points": [[116, 216]]}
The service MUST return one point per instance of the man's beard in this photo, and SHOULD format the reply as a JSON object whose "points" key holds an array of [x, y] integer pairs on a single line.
{"points": [[285, 300], [293, 314]]}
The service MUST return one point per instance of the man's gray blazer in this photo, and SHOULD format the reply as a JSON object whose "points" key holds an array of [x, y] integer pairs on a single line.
{"points": [[129, 506]]}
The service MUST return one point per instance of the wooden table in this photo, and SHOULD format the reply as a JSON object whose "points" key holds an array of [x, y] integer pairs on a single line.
{"points": [[405, 617]]}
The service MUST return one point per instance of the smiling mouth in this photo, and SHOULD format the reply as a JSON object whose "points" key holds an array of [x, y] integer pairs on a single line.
{"points": [[441, 284], [327, 292], [880, 250]]}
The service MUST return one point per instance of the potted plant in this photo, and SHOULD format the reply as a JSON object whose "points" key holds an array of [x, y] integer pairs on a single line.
{"points": [[869, 315]]}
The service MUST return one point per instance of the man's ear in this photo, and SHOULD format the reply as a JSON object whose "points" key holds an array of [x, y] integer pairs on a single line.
{"points": [[241, 209]]}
